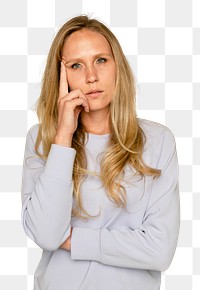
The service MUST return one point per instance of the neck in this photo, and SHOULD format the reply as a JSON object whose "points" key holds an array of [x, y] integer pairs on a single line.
{"points": [[96, 122]]}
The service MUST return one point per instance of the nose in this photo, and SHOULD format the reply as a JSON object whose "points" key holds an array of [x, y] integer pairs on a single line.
{"points": [[91, 75]]}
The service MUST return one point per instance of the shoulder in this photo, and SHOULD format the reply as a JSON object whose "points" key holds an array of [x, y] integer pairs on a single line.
{"points": [[155, 132], [33, 132], [31, 136], [159, 142]]}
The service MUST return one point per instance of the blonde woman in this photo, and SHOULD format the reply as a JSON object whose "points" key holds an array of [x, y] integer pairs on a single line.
{"points": [[100, 186]]}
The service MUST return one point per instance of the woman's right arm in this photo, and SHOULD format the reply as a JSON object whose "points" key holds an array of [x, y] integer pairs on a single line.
{"points": [[47, 194], [47, 188]]}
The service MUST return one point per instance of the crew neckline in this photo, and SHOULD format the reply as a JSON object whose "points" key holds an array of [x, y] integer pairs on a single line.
{"points": [[98, 135]]}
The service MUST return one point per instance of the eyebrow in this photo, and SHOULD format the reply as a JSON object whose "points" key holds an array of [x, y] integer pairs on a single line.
{"points": [[78, 59]]}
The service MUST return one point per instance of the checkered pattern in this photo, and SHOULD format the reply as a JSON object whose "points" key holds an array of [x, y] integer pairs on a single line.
{"points": [[161, 40]]}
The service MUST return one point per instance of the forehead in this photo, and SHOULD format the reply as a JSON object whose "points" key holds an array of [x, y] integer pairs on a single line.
{"points": [[85, 42]]}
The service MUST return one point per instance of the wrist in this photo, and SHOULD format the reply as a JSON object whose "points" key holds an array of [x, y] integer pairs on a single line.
{"points": [[64, 141]]}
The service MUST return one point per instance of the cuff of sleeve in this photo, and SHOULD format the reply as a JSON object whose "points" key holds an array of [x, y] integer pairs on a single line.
{"points": [[60, 161], [85, 244]]}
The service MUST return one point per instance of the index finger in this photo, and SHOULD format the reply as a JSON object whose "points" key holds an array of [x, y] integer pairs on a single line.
{"points": [[63, 87]]}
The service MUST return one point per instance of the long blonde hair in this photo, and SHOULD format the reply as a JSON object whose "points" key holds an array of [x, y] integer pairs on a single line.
{"points": [[126, 139]]}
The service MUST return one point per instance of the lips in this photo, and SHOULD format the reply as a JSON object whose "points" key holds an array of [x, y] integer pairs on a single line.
{"points": [[94, 92]]}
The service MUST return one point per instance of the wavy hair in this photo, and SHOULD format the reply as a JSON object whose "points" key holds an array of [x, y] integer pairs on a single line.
{"points": [[126, 139]]}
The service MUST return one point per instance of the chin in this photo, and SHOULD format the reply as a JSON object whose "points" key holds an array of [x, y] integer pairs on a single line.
{"points": [[95, 106], [99, 108]]}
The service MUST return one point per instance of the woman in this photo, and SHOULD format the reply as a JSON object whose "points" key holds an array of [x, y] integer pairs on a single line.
{"points": [[100, 186]]}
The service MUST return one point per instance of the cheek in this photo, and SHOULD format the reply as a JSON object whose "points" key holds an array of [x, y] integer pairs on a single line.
{"points": [[71, 81], [112, 75], [112, 80], [74, 81], [108, 76]]}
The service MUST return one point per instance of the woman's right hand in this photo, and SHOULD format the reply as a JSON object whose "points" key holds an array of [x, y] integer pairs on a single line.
{"points": [[70, 104]]}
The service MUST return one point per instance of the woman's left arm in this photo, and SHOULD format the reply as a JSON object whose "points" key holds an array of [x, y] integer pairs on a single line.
{"points": [[152, 245]]}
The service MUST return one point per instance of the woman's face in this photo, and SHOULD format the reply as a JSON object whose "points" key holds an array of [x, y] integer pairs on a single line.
{"points": [[90, 67]]}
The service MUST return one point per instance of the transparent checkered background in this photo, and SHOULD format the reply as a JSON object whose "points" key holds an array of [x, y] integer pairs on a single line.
{"points": [[161, 40]]}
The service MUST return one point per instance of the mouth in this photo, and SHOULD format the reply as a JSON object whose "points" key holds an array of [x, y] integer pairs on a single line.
{"points": [[94, 93]]}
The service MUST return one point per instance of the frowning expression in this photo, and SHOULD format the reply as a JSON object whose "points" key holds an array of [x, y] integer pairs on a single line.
{"points": [[90, 67]]}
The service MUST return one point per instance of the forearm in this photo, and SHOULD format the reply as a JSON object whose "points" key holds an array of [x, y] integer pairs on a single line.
{"points": [[63, 140]]}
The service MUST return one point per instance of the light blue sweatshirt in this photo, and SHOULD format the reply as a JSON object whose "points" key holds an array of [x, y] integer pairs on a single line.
{"points": [[122, 248]]}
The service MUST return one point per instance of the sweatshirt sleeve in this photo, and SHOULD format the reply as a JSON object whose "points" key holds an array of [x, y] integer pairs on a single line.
{"points": [[152, 245], [47, 191]]}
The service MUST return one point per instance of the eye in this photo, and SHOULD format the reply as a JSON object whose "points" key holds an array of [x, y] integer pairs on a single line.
{"points": [[75, 65], [101, 60]]}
